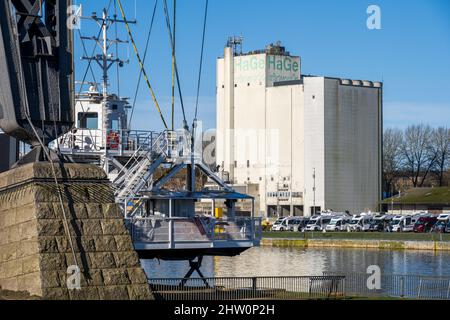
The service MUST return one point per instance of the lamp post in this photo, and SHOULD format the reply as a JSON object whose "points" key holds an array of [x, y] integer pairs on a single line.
{"points": [[314, 191]]}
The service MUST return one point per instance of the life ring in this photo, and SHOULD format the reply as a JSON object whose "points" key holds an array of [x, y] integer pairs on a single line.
{"points": [[113, 141]]}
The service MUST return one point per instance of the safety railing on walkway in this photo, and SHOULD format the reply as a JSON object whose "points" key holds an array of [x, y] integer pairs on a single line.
{"points": [[200, 229], [397, 286], [349, 286], [271, 288]]}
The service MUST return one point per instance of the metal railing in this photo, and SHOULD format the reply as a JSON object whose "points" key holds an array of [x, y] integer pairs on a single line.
{"points": [[398, 286], [327, 286], [256, 288], [199, 229], [87, 140]]}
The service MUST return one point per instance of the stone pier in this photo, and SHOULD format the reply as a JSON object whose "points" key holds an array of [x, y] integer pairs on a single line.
{"points": [[34, 248]]}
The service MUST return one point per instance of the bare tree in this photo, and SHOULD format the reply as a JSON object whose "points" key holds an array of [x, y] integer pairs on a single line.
{"points": [[392, 157], [440, 144], [418, 154]]}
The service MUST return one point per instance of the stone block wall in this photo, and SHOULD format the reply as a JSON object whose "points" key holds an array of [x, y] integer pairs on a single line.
{"points": [[34, 248]]}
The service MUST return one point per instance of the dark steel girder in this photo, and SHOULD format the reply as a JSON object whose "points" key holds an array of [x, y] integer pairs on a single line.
{"points": [[36, 69]]}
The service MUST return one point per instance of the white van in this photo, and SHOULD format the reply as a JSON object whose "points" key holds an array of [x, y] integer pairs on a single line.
{"points": [[410, 222], [286, 224], [398, 223], [338, 224], [360, 223], [318, 223], [442, 222]]}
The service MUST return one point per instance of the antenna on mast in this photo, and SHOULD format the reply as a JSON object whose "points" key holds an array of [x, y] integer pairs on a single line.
{"points": [[105, 60]]}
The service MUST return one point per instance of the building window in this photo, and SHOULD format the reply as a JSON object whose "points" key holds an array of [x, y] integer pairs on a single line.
{"points": [[248, 163], [235, 164], [88, 120], [248, 84], [314, 97]]}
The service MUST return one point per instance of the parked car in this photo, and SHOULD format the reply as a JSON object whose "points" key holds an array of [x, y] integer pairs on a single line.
{"points": [[447, 229], [425, 224]]}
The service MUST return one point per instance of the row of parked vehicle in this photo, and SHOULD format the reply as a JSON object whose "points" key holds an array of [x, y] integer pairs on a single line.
{"points": [[366, 222]]}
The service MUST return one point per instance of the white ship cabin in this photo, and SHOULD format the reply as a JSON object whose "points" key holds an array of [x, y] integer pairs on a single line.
{"points": [[101, 125]]}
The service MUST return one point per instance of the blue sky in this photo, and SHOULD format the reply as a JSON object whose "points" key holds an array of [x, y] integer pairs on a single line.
{"points": [[411, 53]]}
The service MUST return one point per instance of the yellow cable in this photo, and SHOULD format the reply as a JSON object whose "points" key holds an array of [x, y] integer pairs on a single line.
{"points": [[144, 73]]}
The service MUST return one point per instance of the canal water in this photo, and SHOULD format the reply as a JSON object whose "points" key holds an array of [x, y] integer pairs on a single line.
{"points": [[268, 261]]}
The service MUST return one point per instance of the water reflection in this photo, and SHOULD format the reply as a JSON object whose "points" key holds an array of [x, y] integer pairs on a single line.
{"points": [[297, 262]]}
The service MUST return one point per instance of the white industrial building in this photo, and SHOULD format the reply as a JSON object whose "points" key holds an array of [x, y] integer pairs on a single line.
{"points": [[303, 144]]}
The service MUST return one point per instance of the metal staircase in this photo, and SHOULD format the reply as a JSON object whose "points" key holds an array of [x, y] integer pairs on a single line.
{"points": [[138, 172]]}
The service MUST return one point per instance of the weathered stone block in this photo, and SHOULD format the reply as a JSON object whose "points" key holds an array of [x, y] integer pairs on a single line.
{"points": [[92, 227], [88, 244], [48, 245], [50, 228], [51, 279], [28, 230], [30, 282], [87, 293], [11, 269], [114, 227], [30, 264], [126, 259], [114, 277], [8, 252], [10, 284], [94, 278], [137, 276], [140, 292], [102, 260], [7, 218], [124, 243], [14, 234], [52, 261], [25, 213], [112, 211], [94, 211], [44, 211], [27, 248], [105, 244], [55, 294], [114, 293]]}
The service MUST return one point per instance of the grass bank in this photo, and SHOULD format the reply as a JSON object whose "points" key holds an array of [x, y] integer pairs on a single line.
{"points": [[381, 241], [388, 236]]}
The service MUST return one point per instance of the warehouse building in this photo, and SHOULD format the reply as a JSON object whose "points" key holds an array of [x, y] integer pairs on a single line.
{"points": [[304, 144]]}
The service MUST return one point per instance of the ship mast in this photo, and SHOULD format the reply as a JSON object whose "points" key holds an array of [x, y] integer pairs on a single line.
{"points": [[105, 62]]}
